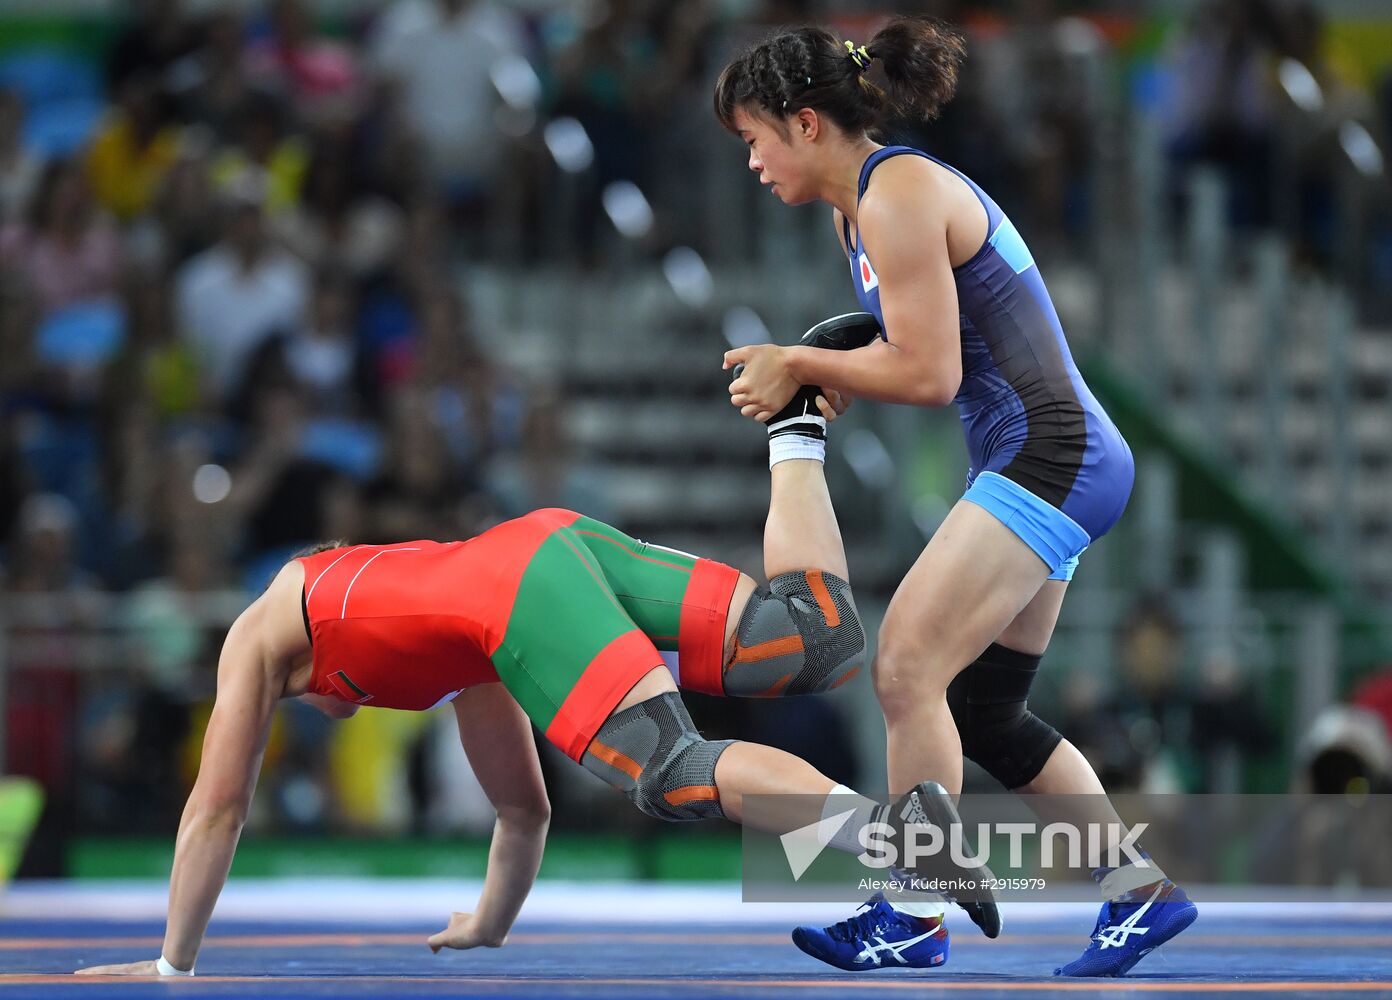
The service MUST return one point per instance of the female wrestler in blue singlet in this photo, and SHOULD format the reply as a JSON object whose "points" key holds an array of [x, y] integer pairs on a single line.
{"points": [[965, 318]]}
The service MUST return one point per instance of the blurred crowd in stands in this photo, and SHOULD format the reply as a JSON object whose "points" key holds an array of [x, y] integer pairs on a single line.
{"points": [[232, 320]]}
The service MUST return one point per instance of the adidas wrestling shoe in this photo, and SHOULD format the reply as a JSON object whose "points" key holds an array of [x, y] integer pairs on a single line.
{"points": [[843, 333], [877, 937], [839, 333], [929, 803], [1132, 926]]}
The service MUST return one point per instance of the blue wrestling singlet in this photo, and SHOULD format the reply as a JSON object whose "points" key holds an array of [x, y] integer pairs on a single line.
{"points": [[1045, 457]]}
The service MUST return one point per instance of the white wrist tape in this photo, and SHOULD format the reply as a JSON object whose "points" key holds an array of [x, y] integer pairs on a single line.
{"points": [[791, 446], [166, 969]]}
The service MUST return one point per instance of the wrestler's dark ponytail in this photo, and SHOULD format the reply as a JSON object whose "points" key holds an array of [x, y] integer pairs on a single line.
{"points": [[917, 57], [920, 58]]}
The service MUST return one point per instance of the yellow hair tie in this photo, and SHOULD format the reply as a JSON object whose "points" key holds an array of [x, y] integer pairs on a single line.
{"points": [[858, 55]]}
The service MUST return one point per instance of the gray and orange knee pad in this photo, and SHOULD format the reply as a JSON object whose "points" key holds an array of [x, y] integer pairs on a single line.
{"points": [[653, 754], [798, 635]]}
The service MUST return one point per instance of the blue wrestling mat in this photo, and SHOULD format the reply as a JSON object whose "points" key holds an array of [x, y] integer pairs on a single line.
{"points": [[598, 941]]}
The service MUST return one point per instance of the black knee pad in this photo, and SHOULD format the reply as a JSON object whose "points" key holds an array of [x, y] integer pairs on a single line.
{"points": [[798, 635], [654, 755], [998, 731]]}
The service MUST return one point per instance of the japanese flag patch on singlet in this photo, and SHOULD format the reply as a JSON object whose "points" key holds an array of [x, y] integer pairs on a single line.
{"points": [[868, 278]]}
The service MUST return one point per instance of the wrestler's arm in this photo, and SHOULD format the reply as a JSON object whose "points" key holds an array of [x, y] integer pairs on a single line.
{"points": [[252, 671], [497, 736], [903, 228]]}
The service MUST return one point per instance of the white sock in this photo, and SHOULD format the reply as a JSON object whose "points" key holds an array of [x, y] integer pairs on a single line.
{"points": [[789, 446], [839, 800], [917, 903], [167, 968], [1119, 881], [932, 906]]}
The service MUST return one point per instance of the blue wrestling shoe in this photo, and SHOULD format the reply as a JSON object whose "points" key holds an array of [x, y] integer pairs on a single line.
{"points": [[877, 937], [1131, 927]]}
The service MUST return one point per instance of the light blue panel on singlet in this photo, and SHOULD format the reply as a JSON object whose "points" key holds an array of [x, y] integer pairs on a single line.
{"points": [[1011, 246], [1055, 537]]}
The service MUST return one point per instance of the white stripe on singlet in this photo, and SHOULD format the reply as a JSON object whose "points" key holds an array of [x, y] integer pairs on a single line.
{"points": [[310, 593], [344, 612]]}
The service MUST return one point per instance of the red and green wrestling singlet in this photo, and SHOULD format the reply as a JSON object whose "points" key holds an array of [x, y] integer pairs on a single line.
{"points": [[566, 611]]}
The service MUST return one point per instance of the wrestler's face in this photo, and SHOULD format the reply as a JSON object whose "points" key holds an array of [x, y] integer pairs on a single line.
{"points": [[778, 155]]}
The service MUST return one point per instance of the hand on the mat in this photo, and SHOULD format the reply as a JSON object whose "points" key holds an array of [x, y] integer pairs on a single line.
{"points": [[765, 386], [463, 933], [832, 404], [128, 969]]}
